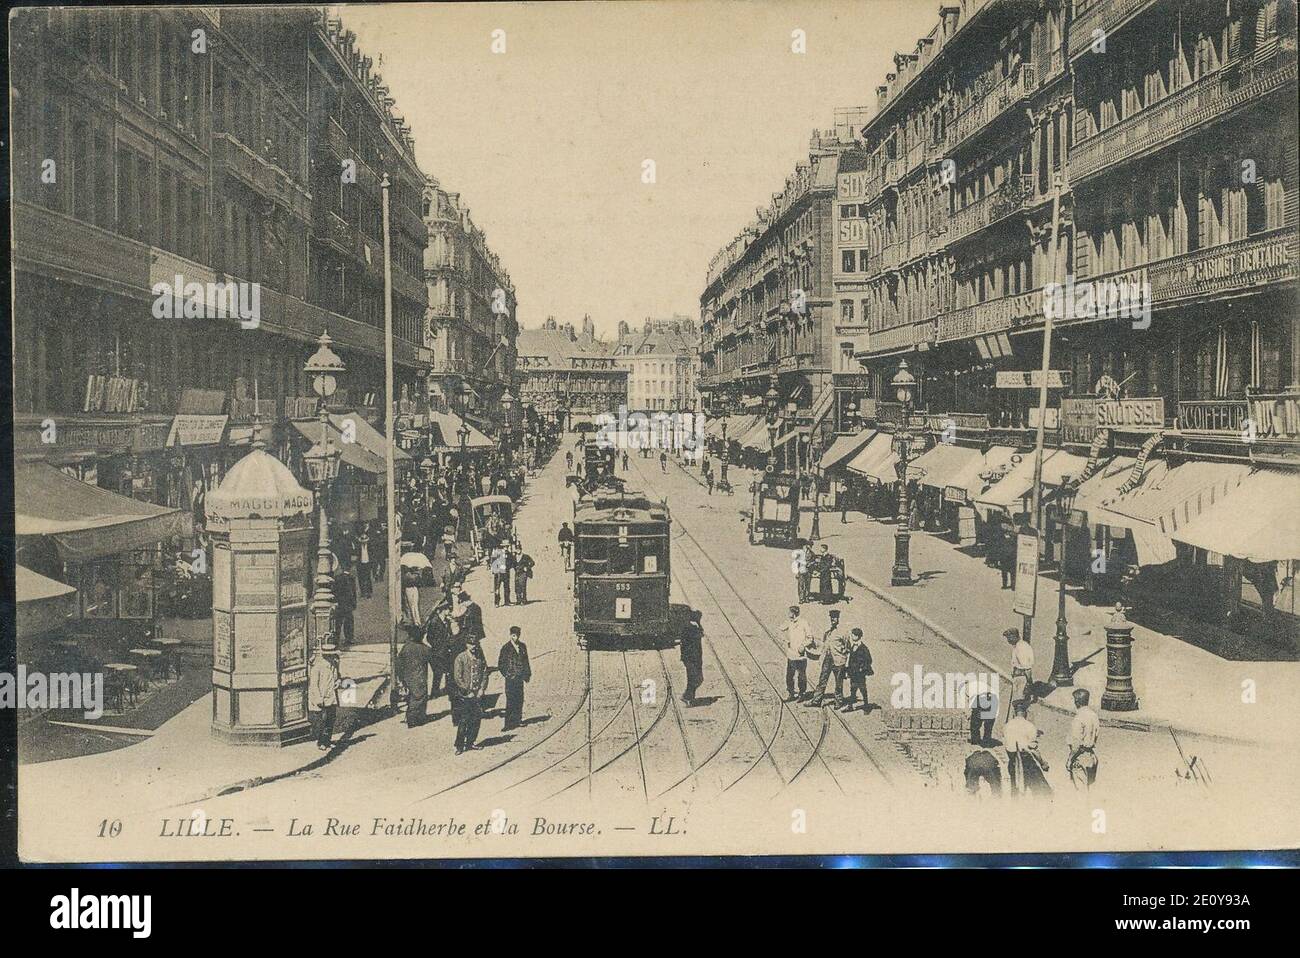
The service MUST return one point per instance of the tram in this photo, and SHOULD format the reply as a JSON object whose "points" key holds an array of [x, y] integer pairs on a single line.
{"points": [[621, 566]]}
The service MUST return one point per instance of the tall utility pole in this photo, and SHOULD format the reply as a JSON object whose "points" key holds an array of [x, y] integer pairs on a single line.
{"points": [[1036, 513], [394, 580]]}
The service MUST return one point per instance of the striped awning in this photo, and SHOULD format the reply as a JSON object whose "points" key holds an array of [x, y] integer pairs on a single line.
{"points": [[1172, 499], [844, 447], [1258, 520], [876, 460]]}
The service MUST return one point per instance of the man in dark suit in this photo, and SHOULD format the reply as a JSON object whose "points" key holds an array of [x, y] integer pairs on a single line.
{"points": [[345, 594], [413, 661], [438, 637], [471, 617], [692, 653], [515, 669]]}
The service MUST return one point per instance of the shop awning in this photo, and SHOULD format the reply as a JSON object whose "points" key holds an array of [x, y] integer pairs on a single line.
{"points": [[757, 437], [845, 447], [713, 428], [43, 603], [1102, 487], [1259, 520], [85, 521], [938, 466], [354, 454], [876, 460], [970, 477], [1170, 500], [445, 438], [1013, 491], [782, 440], [367, 436]]}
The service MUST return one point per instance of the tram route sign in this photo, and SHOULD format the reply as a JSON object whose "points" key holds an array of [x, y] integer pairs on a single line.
{"points": [[1026, 595]]}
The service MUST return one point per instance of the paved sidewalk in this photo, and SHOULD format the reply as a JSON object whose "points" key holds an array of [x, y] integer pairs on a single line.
{"points": [[959, 598]]}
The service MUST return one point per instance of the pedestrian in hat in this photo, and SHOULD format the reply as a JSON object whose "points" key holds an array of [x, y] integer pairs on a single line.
{"points": [[797, 639], [1022, 667], [858, 667], [438, 637], [323, 681], [470, 617], [413, 661], [833, 650], [513, 664], [1082, 742], [469, 674], [692, 653]]}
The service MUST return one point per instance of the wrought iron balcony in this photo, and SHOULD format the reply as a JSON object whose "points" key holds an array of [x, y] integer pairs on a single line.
{"points": [[1210, 98]]}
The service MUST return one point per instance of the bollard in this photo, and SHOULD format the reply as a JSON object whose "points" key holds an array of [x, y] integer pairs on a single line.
{"points": [[1119, 695]]}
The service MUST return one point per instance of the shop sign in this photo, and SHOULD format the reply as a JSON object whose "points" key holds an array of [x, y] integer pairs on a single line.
{"points": [[196, 430], [955, 494], [1032, 379], [853, 233], [1250, 263], [1053, 418], [1078, 419], [1132, 415]]}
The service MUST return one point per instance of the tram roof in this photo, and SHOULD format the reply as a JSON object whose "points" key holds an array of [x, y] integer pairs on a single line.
{"points": [[610, 505]]}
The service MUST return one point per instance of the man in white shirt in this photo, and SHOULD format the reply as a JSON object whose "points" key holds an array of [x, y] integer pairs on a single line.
{"points": [[1082, 742], [797, 638], [1022, 666], [1024, 763]]}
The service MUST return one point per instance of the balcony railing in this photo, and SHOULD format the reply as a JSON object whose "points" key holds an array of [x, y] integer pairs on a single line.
{"points": [[337, 139], [1213, 416], [231, 156], [1210, 98], [1104, 15], [993, 104], [1006, 200]]}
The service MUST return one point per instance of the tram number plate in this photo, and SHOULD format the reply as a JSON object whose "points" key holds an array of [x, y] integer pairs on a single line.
{"points": [[623, 607]]}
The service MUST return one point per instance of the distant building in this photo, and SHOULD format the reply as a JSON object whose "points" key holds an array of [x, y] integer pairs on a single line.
{"points": [[662, 360], [569, 374], [472, 328]]}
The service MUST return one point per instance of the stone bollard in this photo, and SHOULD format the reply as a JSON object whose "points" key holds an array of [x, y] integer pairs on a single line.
{"points": [[1119, 695]]}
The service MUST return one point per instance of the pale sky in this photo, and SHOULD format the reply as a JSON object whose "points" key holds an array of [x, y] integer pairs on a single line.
{"points": [[546, 141]]}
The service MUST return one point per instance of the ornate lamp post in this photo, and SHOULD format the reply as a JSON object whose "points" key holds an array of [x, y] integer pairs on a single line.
{"points": [[904, 384], [463, 432], [772, 402], [507, 401], [1062, 673], [322, 464]]}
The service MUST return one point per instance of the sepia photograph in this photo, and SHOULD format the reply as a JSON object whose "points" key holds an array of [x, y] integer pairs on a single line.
{"points": [[641, 430]]}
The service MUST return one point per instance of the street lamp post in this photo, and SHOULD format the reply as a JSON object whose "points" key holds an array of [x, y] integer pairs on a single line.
{"points": [[772, 401], [904, 384], [507, 401], [322, 465], [1062, 673]]}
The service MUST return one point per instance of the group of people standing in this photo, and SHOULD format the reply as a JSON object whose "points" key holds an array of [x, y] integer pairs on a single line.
{"points": [[842, 656], [1026, 765], [449, 648]]}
